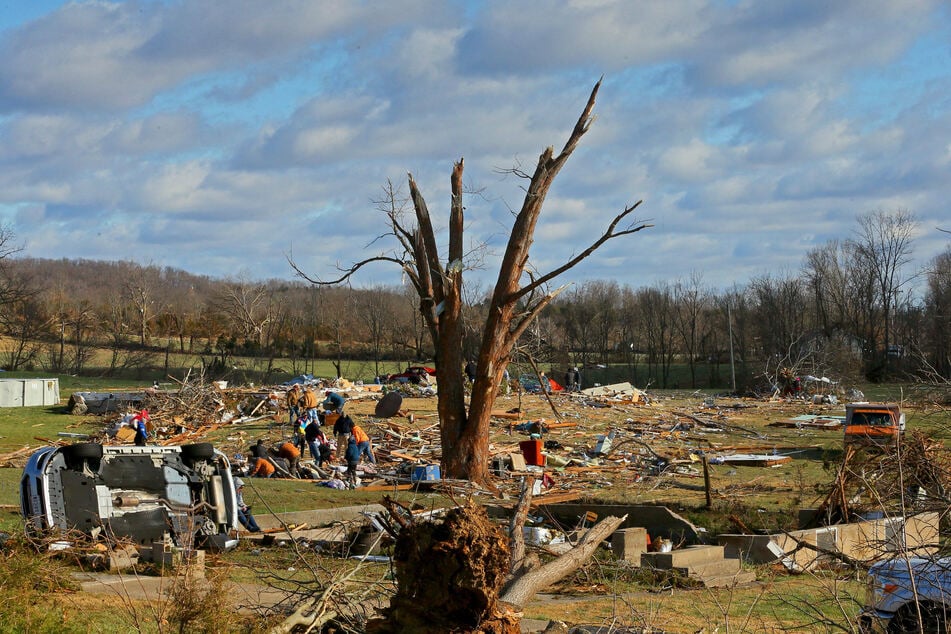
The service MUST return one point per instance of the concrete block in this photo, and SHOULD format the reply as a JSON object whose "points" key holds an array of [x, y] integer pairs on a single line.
{"points": [[719, 568], [728, 581], [123, 558], [683, 558], [629, 544]]}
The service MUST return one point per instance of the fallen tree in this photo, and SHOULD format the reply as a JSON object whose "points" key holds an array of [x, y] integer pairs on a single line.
{"points": [[462, 574]]}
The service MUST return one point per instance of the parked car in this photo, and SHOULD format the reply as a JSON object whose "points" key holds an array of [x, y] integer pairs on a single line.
{"points": [[179, 495], [407, 375], [893, 585], [530, 384]]}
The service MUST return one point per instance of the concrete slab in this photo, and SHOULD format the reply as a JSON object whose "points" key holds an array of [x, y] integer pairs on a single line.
{"points": [[316, 518], [629, 544], [683, 557]]}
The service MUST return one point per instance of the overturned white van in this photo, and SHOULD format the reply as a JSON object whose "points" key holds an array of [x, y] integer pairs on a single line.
{"points": [[182, 496]]}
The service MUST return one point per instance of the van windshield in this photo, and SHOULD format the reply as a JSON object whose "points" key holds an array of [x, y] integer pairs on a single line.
{"points": [[875, 419]]}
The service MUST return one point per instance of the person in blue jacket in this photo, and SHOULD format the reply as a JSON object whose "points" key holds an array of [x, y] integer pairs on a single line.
{"points": [[353, 458], [334, 402]]}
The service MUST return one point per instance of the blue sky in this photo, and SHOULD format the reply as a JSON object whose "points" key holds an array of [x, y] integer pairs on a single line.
{"points": [[221, 137]]}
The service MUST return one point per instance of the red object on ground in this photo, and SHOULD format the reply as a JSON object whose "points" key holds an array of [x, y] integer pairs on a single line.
{"points": [[532, 450]]}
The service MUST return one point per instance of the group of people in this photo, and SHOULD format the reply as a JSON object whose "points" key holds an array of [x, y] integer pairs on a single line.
{"points": [[352, 442]]}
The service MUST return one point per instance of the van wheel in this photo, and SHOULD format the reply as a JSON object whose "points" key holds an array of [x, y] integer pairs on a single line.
{"points": [[198, 451], [84, 451]]}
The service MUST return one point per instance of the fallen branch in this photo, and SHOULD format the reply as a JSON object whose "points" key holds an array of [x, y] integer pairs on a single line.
{"points": [[516, 532], [520, 591]]}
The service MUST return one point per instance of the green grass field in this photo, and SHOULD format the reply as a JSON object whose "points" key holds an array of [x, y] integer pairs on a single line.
{"points": [[602, 592]]}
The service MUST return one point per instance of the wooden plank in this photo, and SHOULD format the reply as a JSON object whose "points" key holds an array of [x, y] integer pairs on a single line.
{"points": [[404, 456], [387, 487]]}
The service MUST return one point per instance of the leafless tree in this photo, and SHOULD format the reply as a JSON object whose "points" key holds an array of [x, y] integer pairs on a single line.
{"points": [[690, 299], [938, 314], [249, 307], [140, 291], [518, 297], [883, 242], [657, 314], [372, 307], [26, 322]]}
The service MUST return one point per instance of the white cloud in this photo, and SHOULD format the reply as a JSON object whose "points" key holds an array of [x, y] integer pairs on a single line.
{"points": [[193, 133]]}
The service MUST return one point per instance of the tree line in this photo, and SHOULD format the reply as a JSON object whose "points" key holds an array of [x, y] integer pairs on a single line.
{"points": [[854, 310]]}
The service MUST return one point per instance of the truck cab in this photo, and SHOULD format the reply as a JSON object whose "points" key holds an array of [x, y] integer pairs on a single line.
{"points": [[873, 424]]}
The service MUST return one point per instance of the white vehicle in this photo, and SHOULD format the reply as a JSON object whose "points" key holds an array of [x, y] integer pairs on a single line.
{"points": [[908, 595], [182, 496]]}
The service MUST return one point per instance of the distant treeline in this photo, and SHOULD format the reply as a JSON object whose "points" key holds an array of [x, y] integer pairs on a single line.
{"points": [[848, 313]]}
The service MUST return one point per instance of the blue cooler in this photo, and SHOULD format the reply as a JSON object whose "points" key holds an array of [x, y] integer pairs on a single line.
{"points": [[425, 472]]}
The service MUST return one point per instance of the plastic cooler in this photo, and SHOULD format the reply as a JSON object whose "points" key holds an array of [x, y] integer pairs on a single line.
{"points": [[425, 472]]}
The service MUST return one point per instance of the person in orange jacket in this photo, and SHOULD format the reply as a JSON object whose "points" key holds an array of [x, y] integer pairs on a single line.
{"points": [[291, 453], [262, 468], [363, 443]]}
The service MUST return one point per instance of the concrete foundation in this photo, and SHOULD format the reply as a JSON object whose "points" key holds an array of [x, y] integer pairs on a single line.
{"points": [[658, 521], [705, 564], [317, 518], [866, 541], [629, 544]]}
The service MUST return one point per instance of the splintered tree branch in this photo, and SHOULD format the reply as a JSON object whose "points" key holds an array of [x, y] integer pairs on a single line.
{"points": [[347, 273], [610, 233], [516, 534], [520, 591]]}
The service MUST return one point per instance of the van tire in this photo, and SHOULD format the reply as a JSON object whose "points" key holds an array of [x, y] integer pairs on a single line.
{"points": [[198, 451], [84, 451]]}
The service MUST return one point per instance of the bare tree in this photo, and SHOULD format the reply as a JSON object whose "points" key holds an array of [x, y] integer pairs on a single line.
{"points": [[249, 307], [691, 299], [518, 297], [883, 242], [938, 314], [656, 306], [372, 306], [140, 293]]}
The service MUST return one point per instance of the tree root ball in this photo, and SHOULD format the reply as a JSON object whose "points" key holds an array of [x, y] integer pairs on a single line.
{"points": [[449, 574]]}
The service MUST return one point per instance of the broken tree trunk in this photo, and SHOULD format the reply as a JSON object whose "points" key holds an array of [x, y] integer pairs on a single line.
{"points": [[448, 576], [516, 526], [520, 590]]}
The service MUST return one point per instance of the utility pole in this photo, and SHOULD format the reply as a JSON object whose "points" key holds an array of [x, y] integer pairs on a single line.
{"points": [[729, 323]]}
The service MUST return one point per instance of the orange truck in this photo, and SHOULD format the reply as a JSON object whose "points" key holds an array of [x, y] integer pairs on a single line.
{"points": [[873, 424]]}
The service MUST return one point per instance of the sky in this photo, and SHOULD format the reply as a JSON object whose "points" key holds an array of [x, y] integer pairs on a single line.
{"points": [[225, 138]]}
